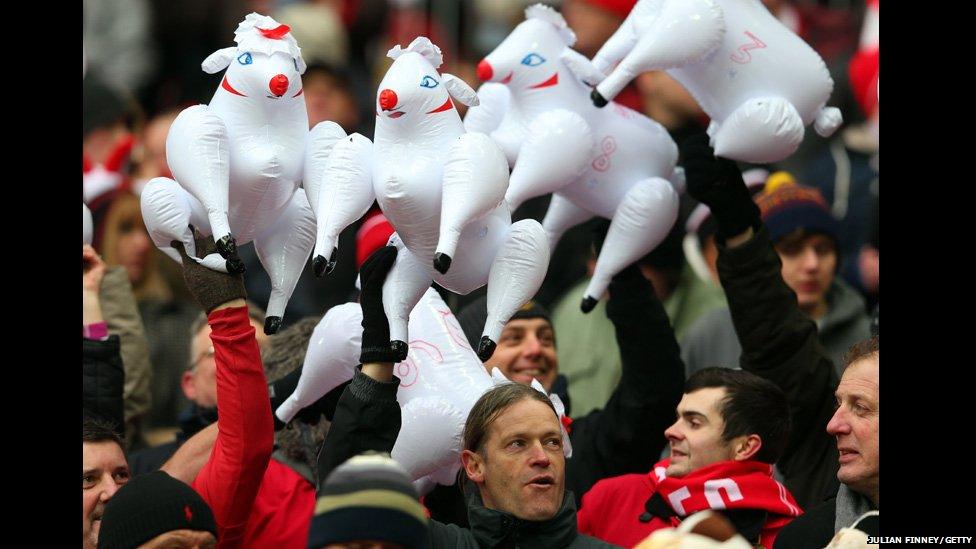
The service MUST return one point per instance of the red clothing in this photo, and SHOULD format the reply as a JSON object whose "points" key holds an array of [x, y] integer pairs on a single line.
{"points": [[611, 510], [283, 510], [230, 480]]}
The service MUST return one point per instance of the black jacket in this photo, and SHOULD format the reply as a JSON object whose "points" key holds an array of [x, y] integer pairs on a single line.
{"points": [[102, 381], [368, 418], [780, 343], [627, 436], [815, 528], [495, 529]]}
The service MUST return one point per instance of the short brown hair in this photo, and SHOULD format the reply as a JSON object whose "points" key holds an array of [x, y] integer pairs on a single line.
{"points": [[868, 348], [491, 405]]}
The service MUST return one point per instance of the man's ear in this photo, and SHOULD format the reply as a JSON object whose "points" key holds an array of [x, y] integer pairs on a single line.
{"points": [[460, 90], [746, 447], [474, 466], [186, 383]]}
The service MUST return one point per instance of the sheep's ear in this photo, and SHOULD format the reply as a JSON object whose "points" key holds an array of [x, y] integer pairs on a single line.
{"points": [[218, 60], [459, 89]]}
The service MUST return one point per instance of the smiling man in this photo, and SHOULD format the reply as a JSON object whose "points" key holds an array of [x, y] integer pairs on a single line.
{"points": [[731, 427], [104, 471]]}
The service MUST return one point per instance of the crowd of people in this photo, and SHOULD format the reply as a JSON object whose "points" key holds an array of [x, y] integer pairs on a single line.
{"points": [[725, 389]]}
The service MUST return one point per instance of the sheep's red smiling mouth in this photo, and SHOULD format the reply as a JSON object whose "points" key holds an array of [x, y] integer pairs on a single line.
{"points": [[226, 85]]}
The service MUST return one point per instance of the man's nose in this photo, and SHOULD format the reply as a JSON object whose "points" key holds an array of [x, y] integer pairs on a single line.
{"points": [[539, 456], [531, 346], [811, 260], [110, 488], [838, 424], [673, 432]]}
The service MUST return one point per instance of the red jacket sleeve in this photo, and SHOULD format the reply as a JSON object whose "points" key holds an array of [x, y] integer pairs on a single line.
{"points": [[230, 480]]}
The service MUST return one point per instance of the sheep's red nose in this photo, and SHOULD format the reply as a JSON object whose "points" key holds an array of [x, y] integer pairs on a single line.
{"points": [[279, 85], [485, 71], [388, 99]]}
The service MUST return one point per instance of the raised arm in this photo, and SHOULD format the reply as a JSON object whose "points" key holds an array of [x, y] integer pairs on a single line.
{"points": [[102, 370], [628, 434], [367, 416], [778, 341], [231, 477]]}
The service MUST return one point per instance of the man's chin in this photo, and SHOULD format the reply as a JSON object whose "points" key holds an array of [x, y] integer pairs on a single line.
{"points": [[538, 512]]}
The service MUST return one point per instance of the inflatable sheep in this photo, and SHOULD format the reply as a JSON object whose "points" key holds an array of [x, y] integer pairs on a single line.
{"points": [[238, 162], [440, 380], [759, 82], [442, 190], [614, 163]]}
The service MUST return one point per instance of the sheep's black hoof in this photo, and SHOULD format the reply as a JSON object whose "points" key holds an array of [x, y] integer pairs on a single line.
{"points": [[271, 324], [227, 247], [442, 262], [588, 304], [400, 349], [319, 265], [486, 348], [598, 99]]}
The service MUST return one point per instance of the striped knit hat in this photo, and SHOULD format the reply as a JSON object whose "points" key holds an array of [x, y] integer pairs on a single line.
{"points": [[786, 206], [369, 497]]}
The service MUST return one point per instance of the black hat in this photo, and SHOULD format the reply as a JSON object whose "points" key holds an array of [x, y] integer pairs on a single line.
{"points": [[473, 316], [150, 505], [369, 497]]}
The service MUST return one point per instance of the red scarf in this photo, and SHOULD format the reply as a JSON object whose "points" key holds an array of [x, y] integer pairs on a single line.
{"points": [[728, 485]]}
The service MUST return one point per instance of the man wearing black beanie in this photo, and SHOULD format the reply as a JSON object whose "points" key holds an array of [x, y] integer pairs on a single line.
{"points": [[159, 511]]}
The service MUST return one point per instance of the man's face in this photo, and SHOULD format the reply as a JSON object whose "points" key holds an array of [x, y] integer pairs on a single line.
{"points": [[855, 426], [520, 468], [808, 268], [200, 381], [696, 437], [104, 471], [527, 350]]}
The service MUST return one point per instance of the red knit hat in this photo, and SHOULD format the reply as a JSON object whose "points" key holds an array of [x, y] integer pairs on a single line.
{"points": [[619, 7], [372, 235]]}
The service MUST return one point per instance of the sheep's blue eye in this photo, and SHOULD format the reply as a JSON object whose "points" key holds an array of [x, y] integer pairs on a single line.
{"points": [[533, 60], [296, 65], [428, 82], [245, 59]]}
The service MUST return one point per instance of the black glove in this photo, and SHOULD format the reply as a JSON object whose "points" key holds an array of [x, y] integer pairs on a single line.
{"points": [[376, 346], [717, 183], [209, 288], [280, 390]]}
